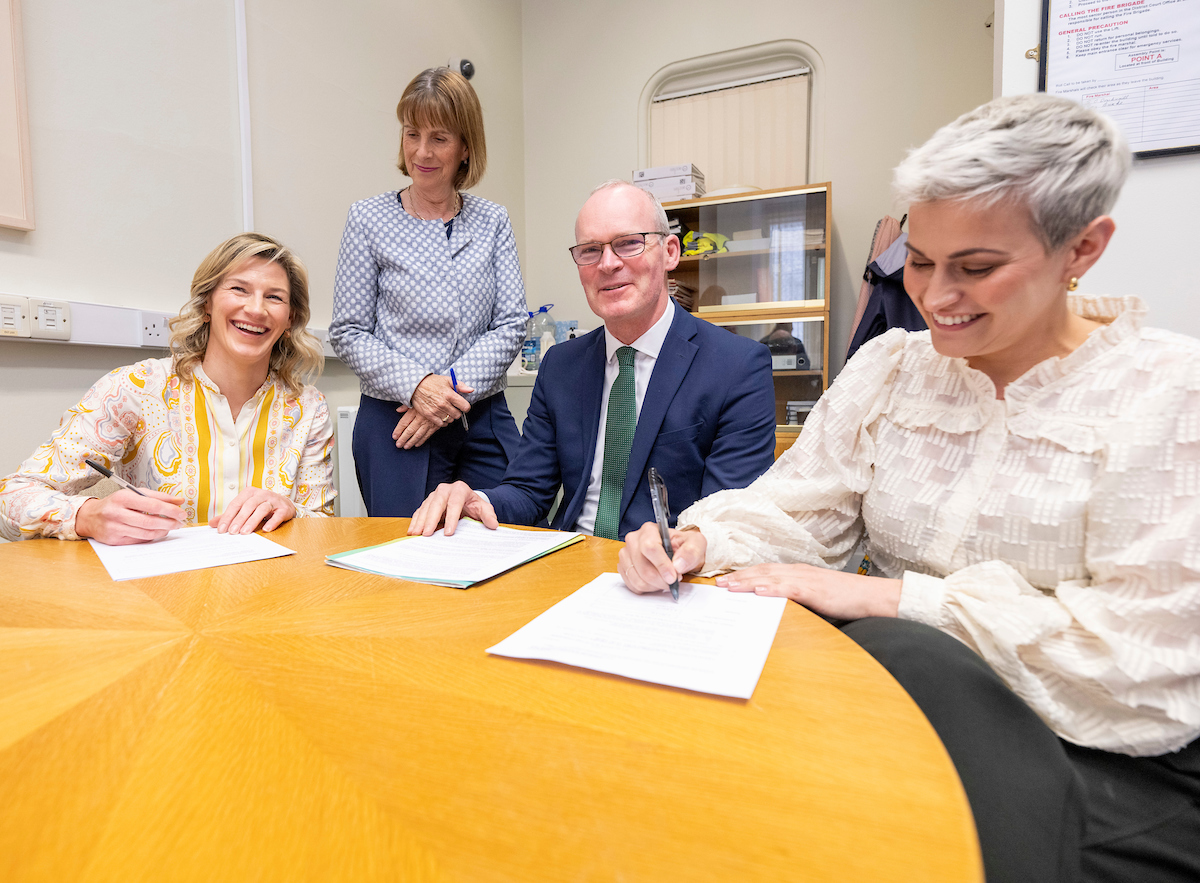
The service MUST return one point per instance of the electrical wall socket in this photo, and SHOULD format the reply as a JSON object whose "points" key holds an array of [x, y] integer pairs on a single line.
{"points": [[49, 319], [14, 316], [155, 331]]}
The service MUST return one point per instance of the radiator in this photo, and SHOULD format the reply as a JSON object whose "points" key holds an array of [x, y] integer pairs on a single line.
{"points": [[350, 501]]}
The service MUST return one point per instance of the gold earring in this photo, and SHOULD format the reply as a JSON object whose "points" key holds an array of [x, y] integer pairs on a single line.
{"points": [[1073, 284]]}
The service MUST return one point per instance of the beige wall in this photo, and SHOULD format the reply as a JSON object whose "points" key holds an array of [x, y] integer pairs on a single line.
{"points": [[894, 72], [134, 146], [135, 139], [325, 79]]}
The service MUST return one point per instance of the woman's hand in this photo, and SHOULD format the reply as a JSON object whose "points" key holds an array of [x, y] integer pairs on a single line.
{"points": [[831, 593], [254, 509], [413, 430], [124, 517], [645, 567], [436, 400]]}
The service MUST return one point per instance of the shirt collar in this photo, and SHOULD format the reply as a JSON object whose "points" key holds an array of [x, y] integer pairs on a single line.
{"points": [[206, 382], [650, 343]]}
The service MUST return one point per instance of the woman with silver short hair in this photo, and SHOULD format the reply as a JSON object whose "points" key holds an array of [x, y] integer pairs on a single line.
{"points": [[1024, 478]]}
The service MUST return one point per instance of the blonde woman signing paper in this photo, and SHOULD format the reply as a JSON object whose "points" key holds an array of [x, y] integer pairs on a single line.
{"points": [[225, 431], [1026, 478]]}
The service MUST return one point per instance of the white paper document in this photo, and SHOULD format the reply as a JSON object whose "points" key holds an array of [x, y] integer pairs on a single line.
{"points": [[471, 555], [188, 548], [711, 641], [1136, 60]]}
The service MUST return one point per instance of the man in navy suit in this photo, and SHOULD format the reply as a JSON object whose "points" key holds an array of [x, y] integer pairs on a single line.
{"points": [[705, 402]]}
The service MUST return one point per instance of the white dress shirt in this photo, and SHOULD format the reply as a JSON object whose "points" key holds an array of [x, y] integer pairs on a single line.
{"points": [[1055, 531], [647, 349]]}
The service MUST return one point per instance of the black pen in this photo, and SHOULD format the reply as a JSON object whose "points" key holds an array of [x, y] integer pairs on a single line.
{"points": [[108, 473], [658, 496]]}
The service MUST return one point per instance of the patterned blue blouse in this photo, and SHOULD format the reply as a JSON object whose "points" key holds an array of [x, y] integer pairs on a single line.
{"points": [[408, 301]]}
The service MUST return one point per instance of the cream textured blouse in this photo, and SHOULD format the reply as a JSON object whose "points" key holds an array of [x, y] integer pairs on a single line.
{"points": [[1055, 531]]}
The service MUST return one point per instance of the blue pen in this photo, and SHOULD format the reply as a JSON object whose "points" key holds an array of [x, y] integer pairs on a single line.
{"points": [[454, 383]]}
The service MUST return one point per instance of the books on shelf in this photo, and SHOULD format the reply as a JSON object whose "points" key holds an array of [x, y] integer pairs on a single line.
{"points": [[684, 295]]}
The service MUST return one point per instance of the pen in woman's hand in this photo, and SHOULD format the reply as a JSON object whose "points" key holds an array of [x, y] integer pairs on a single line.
{"points": [[108, 473], [454, 383]]}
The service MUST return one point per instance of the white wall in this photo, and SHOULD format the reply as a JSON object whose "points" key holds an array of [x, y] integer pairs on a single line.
{"points": [[134, 135], [325, 79], [894, 73], [1153, 214]]}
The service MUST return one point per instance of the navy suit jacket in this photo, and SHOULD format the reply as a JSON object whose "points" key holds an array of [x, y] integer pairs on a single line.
{"points": [[707, 423]]}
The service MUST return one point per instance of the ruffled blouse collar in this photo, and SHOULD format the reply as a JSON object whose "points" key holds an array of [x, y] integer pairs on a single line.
{"points": [[947, 393], [1120, 318]]}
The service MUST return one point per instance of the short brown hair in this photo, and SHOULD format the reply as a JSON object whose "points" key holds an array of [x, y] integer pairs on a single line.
{"points": [[442, 98], [295, 356]]}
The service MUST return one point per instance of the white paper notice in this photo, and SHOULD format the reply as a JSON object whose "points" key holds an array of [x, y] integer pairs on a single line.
{"points": [[189, 548], [1136, 60], [712, 641]]}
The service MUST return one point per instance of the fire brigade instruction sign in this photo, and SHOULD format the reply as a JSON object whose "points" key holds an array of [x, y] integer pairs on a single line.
{"points": [[1136, 60]]}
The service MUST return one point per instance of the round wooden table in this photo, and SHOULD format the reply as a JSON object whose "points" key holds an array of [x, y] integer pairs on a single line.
{"points": [[286, 720]]}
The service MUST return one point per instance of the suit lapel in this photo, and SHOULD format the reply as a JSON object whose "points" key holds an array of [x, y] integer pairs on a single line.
{"points": [[674, 360], [589, 388]]}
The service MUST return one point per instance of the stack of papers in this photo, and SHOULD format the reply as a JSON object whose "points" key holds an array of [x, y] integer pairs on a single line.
{"points": [[471, 555], [711, 641], [188, 548]]}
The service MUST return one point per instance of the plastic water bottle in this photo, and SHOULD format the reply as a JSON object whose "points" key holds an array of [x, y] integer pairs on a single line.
{"points": [[539, 337], [531, 348]]}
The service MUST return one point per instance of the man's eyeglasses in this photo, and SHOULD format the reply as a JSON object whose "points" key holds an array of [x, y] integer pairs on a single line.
{"points": [[628, 246]]}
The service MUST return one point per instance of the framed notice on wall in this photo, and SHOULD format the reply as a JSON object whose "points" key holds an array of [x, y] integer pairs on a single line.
{"points": [[1136, 60], [16, 172]]}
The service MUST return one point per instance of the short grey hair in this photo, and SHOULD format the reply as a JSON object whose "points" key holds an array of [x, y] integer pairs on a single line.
{"points": [[660, 216], [1063, 161]]}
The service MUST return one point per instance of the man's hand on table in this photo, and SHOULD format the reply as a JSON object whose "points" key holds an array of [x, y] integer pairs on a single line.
{"points": [[446, 505]]}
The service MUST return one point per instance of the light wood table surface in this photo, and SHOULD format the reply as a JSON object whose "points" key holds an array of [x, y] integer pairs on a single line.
{"points": [[286, 720]]}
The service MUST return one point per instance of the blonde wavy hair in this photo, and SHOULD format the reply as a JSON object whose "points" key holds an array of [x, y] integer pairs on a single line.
{"points": [[297, 356]]}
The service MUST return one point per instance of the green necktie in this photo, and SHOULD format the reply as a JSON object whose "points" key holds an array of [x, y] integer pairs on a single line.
{"points": [[619, 427]]}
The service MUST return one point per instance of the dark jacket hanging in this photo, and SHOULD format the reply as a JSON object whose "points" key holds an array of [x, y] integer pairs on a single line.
{"points": [[889, 305]]}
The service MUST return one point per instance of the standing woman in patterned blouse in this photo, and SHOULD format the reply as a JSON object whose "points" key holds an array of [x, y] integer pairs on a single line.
{"points": [[427, 284], [225, 431], [1025, 478]]}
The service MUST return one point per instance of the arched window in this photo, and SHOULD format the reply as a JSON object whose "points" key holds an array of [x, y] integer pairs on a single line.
{"points": [[749, 116]]}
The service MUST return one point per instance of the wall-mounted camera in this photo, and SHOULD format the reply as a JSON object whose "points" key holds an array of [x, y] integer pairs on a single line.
{"points": [[463, 65]]}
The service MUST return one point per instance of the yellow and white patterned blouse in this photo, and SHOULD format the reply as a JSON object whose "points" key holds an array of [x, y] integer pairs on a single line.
{"points": [[160, 431]]}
